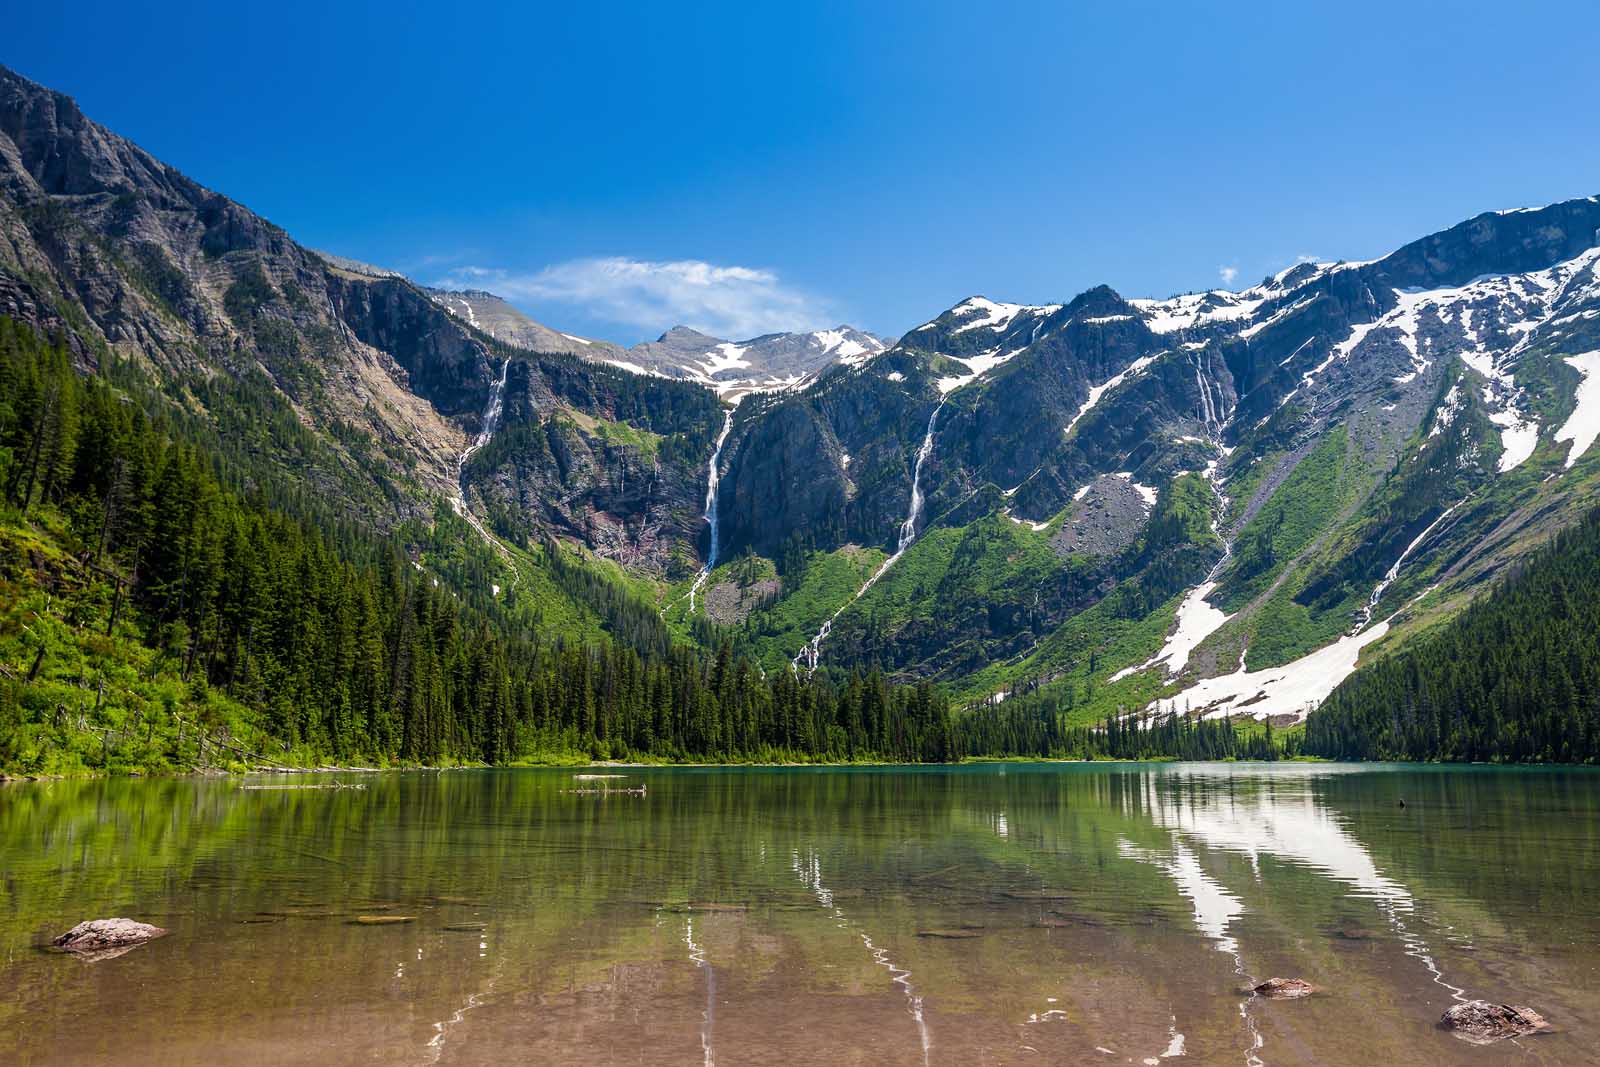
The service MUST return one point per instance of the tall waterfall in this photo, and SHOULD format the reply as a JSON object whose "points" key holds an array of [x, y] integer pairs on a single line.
{"points": [[491, 422], [713, 483], [811, 653]]}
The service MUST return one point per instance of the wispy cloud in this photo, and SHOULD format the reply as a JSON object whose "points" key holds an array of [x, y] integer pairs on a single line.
{"points": [[1228, 274], [734, 302]]}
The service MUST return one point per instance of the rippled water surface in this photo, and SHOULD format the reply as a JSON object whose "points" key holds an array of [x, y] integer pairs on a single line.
{"points": [[975, 915]]}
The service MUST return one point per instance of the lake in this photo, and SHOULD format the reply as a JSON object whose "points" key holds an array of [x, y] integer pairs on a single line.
{"points": [[992, 914]]}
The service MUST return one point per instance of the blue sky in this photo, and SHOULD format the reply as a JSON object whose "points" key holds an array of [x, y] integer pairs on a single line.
{"points": [[747, 167]]}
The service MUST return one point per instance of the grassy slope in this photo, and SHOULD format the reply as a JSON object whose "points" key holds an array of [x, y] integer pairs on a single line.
{"points": [[99, 703], [831, 578]]}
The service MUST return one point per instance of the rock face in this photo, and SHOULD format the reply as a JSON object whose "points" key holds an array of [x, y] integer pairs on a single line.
{"points": [[490, 314], [104, 939], [1284, 989], [368, 385], [1481, 1022]]}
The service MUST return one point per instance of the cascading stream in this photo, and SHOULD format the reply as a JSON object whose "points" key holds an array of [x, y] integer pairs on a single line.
{"points": [[811, 654], [1393, 572], [713, 484]]}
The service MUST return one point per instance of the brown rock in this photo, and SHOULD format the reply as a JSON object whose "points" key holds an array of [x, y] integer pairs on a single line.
{"points": [[104, 939], [1284, 989], [962, 934], [1481, 1022]]}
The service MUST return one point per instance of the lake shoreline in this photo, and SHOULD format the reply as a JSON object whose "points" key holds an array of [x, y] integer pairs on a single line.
{"points": [[216, 772]]}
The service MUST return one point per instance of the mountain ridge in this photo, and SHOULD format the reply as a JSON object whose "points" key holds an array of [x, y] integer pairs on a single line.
{"points": [[1113, 504]]}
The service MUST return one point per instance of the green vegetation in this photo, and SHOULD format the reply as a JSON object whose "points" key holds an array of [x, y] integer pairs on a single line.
{"points": [[1515, 677], [775, 634], [1028, 730], [1302, 506], [157, 620]]}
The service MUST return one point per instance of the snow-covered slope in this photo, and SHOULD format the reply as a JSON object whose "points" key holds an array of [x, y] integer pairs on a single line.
{"points": [[734, 368], [1376, 439]]}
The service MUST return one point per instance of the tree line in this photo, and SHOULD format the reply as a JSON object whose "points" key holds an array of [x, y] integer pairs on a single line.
{"points": [[1513, 678], [345, 648]]}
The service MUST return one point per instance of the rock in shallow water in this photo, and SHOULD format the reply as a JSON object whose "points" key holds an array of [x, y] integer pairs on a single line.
{"points": [[1481, 1022], [104, 939], [1284, 989]]}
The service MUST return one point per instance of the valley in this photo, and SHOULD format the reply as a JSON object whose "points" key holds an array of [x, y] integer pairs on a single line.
{"points": [[1218, 504]]}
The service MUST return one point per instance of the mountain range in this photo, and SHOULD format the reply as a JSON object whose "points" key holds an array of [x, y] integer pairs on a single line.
{"points": [[1219, 502], [732, 368]]}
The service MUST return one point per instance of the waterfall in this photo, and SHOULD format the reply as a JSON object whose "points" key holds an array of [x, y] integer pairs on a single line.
{"points": [[908, 529], [1393, 572], [713, 483], [1209, 412], [811, 653], [491, 422], [491, 418]]}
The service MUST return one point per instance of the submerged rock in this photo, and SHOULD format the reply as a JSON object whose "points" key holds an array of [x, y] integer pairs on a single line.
{"points": [[1481, 1022], [104, 939], [960, 934], [1284, 989]]}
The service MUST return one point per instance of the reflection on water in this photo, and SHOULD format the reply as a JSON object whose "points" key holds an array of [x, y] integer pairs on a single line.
{"points": [[810, 872], [1214, 909], [1290, 822], [1050, 913], [708, 1018]]}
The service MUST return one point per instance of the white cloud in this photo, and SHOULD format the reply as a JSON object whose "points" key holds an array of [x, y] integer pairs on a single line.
{"points": [[732, 302], [1228, 274]]}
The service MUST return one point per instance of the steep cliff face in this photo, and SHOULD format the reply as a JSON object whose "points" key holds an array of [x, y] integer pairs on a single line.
{"points": [[126, 257]]}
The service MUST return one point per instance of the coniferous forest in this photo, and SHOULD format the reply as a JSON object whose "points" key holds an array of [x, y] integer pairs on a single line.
{"points": [[158, 616], [173, 615], [1513, 678], [163, 609]]}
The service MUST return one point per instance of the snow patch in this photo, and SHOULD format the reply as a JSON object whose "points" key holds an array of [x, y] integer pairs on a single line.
{"points": [[1448, 411], [1098, 391], [1196, 621], [1583, 425], [1145, 491], [990, 313], [726, 356], [1517, 438], [1292, 689], [1036, 527]]}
